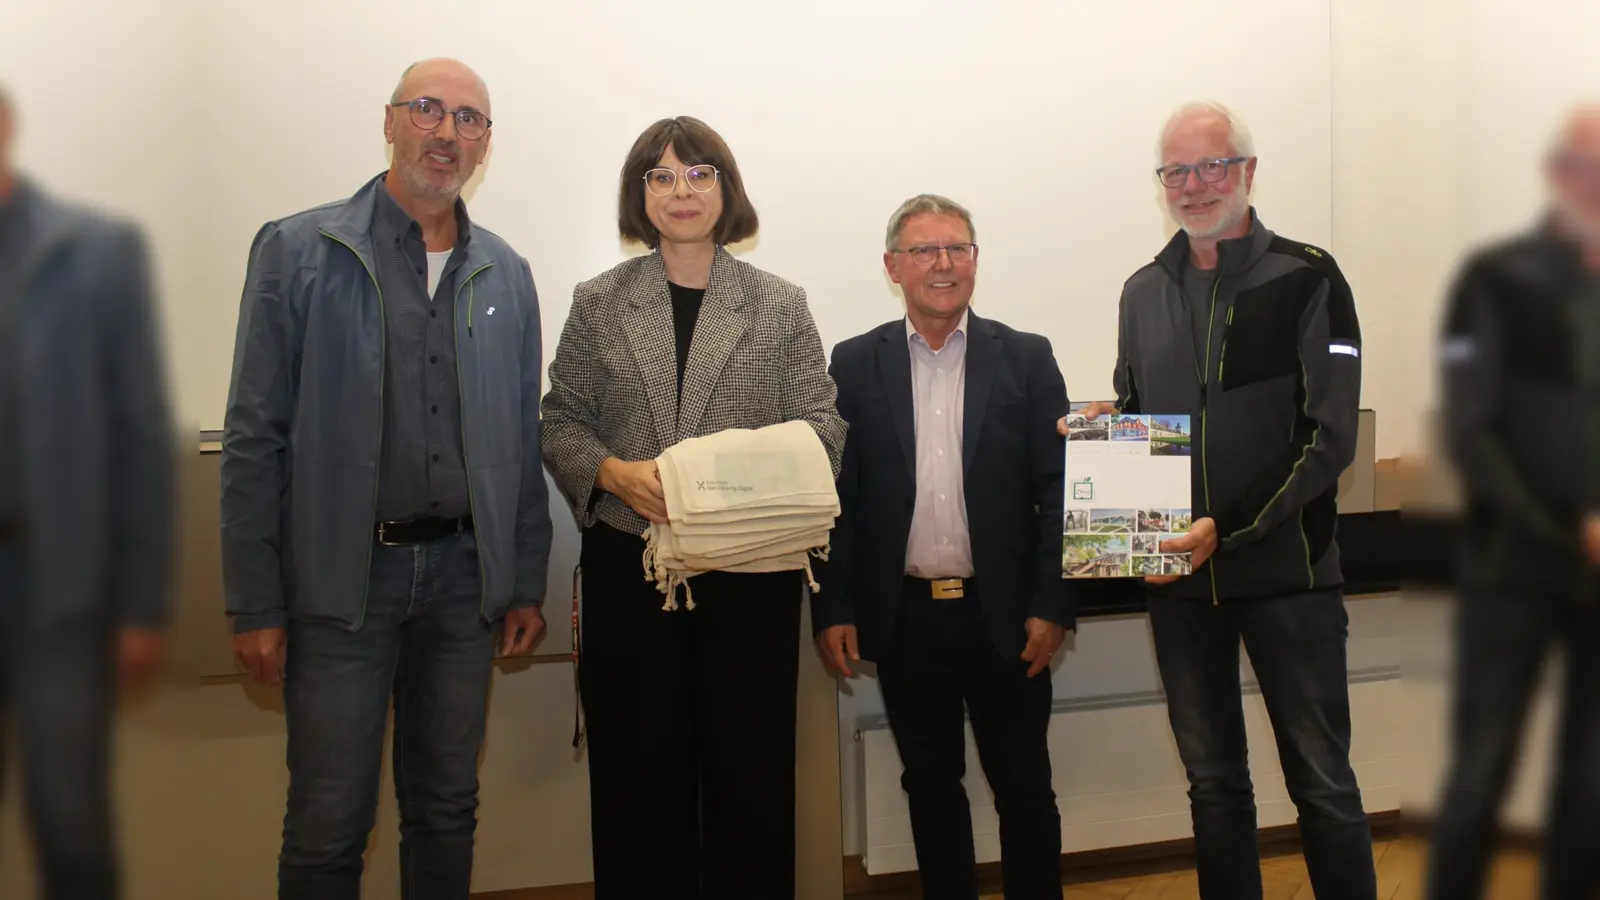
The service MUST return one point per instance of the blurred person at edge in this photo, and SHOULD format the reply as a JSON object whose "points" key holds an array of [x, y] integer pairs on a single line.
{"points": [[384, 509], [1521, 346], [1255, 336], [87, 495]]}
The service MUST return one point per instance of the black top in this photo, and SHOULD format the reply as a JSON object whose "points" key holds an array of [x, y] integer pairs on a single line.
{"points": [[1197, 288], [12, 240], [685, 313], [421, 470]]}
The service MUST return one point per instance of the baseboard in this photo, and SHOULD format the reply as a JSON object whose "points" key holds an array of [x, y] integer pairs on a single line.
{"points": [[1515, 839], [1113, 862], [1086, 865]]}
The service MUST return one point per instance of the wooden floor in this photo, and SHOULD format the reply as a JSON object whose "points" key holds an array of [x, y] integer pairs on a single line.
{"points": [[1283, 877]]}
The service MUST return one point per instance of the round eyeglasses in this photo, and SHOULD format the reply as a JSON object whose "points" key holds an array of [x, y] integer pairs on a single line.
{"points": [[428, 114], [1210, 171], [661, 181]]}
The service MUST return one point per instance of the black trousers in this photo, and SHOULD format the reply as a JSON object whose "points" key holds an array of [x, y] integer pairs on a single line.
{"points": [[1503, 642], [691, 729], [941, 659]]}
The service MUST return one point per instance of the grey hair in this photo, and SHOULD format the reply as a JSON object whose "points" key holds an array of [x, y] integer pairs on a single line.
{"points": [[1238, 133], [926, 204]]}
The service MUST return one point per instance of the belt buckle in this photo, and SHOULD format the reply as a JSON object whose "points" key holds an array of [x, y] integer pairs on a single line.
{"points": [[383, 536], [948, 589]]}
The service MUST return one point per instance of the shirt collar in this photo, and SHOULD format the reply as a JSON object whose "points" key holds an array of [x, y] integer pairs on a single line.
{"points": [[961, 327]]}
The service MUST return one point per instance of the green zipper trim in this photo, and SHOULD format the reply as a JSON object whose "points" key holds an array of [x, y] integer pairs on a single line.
{"points": [[1205, 468], [383, 351], [1311, 575], [466, 463]]}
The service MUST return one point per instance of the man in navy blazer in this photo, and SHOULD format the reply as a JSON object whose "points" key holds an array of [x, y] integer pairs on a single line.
{"points": [[945, 564]]}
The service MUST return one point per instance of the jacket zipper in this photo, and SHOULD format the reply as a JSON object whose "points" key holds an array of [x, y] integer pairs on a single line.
{"points": [[383, 352], [466, 462], [1205, 390]]}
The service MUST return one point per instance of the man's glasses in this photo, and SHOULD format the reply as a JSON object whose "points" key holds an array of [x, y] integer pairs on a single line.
{"points": [[428, 113], [661, 181], [927, 255], [1210, 171]]}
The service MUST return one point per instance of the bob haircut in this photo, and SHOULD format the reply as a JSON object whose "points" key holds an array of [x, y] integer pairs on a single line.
{"points": [[696, 144]]}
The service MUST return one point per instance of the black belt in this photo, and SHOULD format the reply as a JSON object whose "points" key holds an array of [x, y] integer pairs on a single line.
{"points": [[418, 531]]}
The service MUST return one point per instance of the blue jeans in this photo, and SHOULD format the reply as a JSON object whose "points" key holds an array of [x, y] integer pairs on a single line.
{"points": [[1502, 642], [56, 685], [1296, 644], [425, 643]]}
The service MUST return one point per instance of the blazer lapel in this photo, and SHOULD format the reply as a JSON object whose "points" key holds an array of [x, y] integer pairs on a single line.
{"points": [[983, 354], [894, 363], [648, 326], [723, 320]]}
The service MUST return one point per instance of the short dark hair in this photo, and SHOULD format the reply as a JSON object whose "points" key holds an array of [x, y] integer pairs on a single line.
{"points": [[696, 144]]}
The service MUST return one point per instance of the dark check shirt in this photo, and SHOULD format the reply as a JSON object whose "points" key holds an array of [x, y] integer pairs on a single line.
{"points": [[422, 472]]}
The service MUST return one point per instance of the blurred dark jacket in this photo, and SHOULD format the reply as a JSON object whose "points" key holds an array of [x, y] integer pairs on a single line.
{"points": [[1520, 382], [94, 431]]}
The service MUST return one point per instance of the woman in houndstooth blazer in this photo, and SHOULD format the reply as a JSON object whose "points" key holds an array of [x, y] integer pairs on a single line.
{"points": [[691, 714]]}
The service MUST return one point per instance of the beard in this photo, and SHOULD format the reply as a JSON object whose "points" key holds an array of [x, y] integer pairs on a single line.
{"points": [[424, 183], [1231, 211], [1583, 225]]}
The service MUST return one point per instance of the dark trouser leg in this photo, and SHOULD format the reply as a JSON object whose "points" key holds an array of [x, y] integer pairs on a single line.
{"points": [[922, 680], [1500, 648], [1010, 722], [336, 699], [643, 782], [1572, 832], [56, 676], [746, 641], [441, 698], [1197, 651], [1297, 648]]}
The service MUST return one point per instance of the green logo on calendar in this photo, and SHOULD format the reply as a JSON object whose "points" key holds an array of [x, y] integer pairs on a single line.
{"points": [[1083, 490]]}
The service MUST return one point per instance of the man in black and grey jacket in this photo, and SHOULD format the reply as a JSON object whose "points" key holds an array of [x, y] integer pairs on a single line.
{"points": [[1255, 337], [1521, 349]]}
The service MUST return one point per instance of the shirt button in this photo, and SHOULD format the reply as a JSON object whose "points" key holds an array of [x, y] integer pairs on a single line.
{"points": [[433, 314], [435, 409], [938, 412], [941, 496], [436, 457], [947, 540], [941, 451], [434, 503], [421, 270], [433, 359]]}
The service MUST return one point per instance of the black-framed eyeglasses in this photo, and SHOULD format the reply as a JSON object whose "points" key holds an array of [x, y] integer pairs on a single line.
{"points": [[1210, 171], [428, 113], [661, 180], [927, 255]]}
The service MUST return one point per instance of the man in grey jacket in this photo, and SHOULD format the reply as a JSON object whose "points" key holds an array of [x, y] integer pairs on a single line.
{"points": [[1255, 337], [384, 507], [87, 496]]}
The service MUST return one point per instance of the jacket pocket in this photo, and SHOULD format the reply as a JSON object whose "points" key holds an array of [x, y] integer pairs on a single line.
{"points": [[1261, 338]]}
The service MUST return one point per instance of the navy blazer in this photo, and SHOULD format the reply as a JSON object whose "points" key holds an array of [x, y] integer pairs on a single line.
{"points": [[1012, 458]]}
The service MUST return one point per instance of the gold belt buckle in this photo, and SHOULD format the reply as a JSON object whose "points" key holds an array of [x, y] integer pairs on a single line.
{"points": [[948, 589]]}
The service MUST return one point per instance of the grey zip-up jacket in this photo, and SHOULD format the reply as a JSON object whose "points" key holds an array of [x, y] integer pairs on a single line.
{"points": [[1274, 408], [304, 421], [1521, 347]]}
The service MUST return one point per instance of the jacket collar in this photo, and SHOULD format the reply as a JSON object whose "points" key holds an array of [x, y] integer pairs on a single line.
{"points": [[1234, 256], [43, 224], [722, 288], [352, 225]]}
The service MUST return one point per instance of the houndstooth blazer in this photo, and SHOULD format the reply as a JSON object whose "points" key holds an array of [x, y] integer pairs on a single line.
{"points": [[756, 360]]}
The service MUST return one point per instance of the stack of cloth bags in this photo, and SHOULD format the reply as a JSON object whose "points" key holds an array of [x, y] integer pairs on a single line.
{"points": [[742, 500]]}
